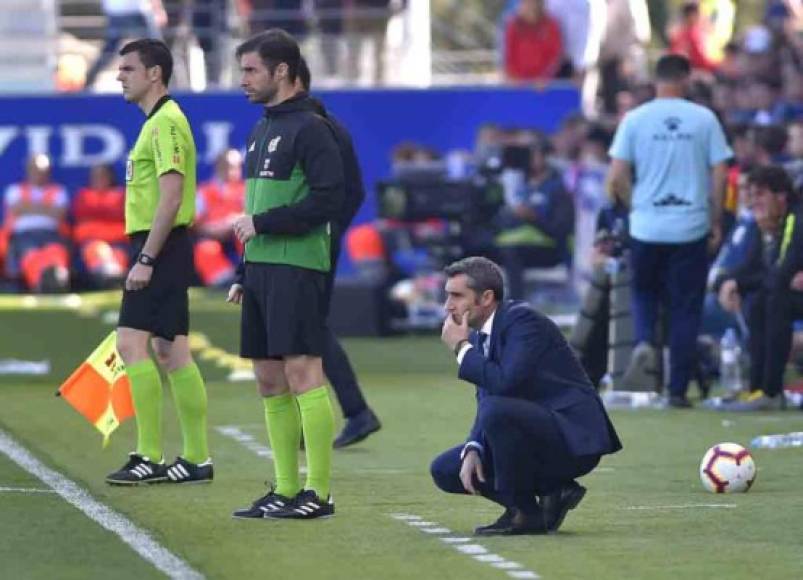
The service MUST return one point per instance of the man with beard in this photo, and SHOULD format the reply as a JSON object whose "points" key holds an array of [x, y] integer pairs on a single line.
{"points": [[294, 191]]}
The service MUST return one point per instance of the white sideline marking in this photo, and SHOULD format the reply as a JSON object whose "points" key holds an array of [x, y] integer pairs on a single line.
{"points": [[436, 530], [681, 506], [4, 489], [466, 546], [137, 538], [250, 443]]}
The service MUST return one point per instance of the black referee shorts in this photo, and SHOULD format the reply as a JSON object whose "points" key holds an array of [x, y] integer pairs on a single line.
{"points": [[162, 307], [283, 311]]}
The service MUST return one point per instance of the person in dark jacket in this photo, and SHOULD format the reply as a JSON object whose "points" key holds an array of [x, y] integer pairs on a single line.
{"points": [[294, 175], [539, 423], [360, 420], [772, 275], [536, 222]]}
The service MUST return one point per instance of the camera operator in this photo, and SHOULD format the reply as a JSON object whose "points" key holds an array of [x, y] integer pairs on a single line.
{"points": [[535, 222]]}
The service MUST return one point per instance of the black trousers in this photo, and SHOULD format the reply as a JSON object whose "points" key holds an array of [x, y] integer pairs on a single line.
{"points": [[525, 454], [336, 364], [770, 317]]}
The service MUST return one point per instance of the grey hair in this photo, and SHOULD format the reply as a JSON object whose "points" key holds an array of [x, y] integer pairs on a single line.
{"points": [[483, 274]]}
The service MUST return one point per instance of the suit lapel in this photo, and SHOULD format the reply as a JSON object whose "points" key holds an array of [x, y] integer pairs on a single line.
{"points": [[497, 325]]}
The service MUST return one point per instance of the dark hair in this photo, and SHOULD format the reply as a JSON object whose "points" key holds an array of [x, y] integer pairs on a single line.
{"points": [[152, 53], [689, 8], [304, 76], [774, 178], [482, 274], [597, 133], [274, 46], [771, 138], [672, 68]]}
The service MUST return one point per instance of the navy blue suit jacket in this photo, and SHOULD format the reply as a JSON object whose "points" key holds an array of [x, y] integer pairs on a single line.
{"points": [[529, 359]]}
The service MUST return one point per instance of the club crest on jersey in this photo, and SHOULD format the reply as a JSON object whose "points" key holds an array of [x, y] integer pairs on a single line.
{"points": [[265, 171], [274, 144]]}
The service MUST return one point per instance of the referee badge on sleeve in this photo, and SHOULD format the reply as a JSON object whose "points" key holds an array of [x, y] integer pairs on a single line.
{"points": [[129, 169]]}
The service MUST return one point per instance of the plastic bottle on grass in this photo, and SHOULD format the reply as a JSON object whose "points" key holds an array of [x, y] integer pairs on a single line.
{"points": [[778, 441], [730, 356]]}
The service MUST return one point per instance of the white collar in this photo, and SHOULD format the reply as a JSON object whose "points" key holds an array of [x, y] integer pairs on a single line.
{"points": [[487, 328]]}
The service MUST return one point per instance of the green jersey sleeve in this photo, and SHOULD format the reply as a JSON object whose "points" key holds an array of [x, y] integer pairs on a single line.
{"points": [[169, 149]]}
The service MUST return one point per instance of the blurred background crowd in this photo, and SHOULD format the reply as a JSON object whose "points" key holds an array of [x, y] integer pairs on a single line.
{"points": [[533, 201]]}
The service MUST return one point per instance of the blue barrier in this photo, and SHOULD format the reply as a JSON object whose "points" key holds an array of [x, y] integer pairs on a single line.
{"points": [[79, 131]]}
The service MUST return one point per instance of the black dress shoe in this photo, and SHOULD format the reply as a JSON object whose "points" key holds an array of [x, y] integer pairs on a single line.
{"points": [[357, 428], [679, 402], [515, 522], [558, 504]]}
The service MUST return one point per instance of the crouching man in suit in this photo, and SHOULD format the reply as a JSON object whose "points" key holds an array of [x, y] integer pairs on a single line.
{"points": [[539, 426]]}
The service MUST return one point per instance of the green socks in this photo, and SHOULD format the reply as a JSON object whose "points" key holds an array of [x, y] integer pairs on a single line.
{"points": [[285, 416], [189, 395], [319, 431], [284, 432], [146, 392]]}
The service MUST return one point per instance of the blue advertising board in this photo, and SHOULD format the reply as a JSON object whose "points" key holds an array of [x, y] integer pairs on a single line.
{"points": [[79, 131]]}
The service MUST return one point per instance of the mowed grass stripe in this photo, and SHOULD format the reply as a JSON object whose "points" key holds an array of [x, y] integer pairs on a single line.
{"points": [[412, 384], [138, 539]]}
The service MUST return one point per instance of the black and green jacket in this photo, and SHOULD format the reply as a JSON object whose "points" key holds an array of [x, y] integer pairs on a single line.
{"points": [[294, 186]]}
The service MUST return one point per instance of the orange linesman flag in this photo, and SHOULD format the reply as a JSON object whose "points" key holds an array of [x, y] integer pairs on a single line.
{"points": [[99, 388]]}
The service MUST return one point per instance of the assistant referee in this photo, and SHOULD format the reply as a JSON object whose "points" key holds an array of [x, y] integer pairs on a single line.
{"points": [[159, 206]]}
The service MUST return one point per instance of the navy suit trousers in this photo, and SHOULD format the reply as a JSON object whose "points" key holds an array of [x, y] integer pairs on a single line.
{"points": [[524, 453]]}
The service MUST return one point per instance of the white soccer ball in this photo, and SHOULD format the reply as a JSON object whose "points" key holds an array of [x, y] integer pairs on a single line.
{"points": [[727, 468]]}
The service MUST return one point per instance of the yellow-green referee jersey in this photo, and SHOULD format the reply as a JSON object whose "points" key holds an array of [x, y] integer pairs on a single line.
{"points": [[164, 144]]}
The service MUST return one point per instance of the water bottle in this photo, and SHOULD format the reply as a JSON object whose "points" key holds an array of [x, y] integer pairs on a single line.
{"points": [[778, 441], [730, 356]]}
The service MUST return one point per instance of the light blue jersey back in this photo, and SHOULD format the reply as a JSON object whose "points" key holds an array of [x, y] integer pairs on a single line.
{"points": [[672, 145]]}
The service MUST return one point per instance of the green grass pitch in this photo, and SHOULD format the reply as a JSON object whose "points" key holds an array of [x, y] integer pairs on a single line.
{"points": [[645, 516]]}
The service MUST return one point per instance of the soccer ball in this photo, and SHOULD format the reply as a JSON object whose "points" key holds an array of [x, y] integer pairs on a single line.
{"points": [[727, 468]]}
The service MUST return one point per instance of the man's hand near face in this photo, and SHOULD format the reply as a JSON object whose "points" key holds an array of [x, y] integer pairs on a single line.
{"points": [[453, 332]]}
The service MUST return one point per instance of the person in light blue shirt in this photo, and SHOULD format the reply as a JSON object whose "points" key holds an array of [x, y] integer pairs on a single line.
{"points": [[669, 166]]}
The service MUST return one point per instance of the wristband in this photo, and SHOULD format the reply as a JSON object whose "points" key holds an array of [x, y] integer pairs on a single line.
{"points": [[146, 260]]}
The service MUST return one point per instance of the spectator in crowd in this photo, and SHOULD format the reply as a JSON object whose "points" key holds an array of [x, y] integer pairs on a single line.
{"points": [[719, 17], [127, 19], [330, 16], [35, 228], [99, 232], [690, 38], [367, 20], [585, 179], [773, 277], [737, 251], [794, 148], [289, 15], [581, 32], [533, 44], [220, 201], [765, 106], [769, 144], [207, 22], [622, 58], [535, 223], [567, 141], [677, 150]]}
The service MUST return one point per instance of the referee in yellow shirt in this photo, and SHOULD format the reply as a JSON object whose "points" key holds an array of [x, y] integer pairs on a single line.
{"points": [[159, 206]]}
